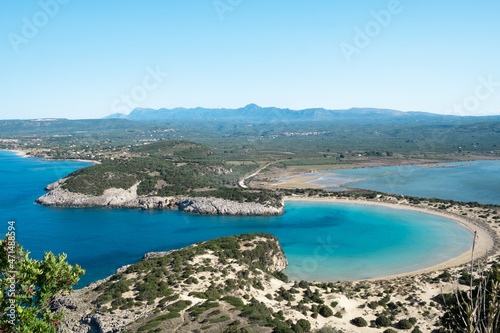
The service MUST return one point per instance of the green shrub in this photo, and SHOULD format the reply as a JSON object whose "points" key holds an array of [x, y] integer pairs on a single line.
{"points": [[167, 316], [149, 325], [304, 324], [303, 284], [405, 324], [359, 321], [178, 306], [257, 312], [233, 328], [383, 321], [280, 276], [213, 313], [196, 310], [234, 301], [198, 294], [220, 319], [325, 311]]}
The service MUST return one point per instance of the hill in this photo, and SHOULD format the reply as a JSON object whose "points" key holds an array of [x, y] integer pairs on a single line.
{"points": [[184, 290], [156, 183]]}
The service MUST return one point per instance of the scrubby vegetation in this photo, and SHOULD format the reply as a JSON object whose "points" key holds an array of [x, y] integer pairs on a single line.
{"points": [[157, 282], [160, 177], [154, 176], [174, 149]]}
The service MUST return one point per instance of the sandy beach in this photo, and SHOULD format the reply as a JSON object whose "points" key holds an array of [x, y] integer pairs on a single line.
{"points": [[24, 154], [485, 236], [18, 152]]}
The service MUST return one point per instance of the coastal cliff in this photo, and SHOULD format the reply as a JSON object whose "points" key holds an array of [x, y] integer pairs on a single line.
{"points": [[58, 196], [173, 290]]}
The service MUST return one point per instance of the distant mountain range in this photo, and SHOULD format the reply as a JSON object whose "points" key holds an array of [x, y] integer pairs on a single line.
{"points": [[253, 112]]}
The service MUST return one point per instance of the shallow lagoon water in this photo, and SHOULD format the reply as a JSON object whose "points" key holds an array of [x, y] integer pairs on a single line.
{"points": [[461, 181], [322, 241]]}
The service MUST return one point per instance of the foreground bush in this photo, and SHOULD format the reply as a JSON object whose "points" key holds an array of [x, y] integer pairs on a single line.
{"points": [[27, 292]]}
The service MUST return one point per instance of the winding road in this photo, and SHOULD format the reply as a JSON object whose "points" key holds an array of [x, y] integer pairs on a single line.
{"points": [[241, 182]]}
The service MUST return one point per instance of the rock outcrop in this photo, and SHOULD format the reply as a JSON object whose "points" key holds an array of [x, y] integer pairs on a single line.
{"points": [[154, 255], [216, 206], [120, 198]]}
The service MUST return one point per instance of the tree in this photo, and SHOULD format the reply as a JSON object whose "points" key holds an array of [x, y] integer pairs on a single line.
{"points": [[27, 286]]}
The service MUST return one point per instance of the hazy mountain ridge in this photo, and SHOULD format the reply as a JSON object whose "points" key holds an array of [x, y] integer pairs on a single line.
{"points": [[256, 113]]}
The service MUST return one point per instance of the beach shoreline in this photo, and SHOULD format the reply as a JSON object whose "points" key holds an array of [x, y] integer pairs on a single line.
{"points": [[23, 153], [485, 246], [18, 152]]}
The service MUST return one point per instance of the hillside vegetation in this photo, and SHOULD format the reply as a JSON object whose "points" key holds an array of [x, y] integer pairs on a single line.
{"points": [[174, 149], [205, 285], [155, 177], [166, 178]]}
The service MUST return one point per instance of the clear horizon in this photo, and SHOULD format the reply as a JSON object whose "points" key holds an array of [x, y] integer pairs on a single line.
{"points": [[82, 60]]}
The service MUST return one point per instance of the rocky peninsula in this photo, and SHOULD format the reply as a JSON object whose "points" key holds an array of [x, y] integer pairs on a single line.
{"points": [[58, 196]]}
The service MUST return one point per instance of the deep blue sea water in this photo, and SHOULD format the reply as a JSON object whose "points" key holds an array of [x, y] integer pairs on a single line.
{"points": [[322, 241], [467, 181]]}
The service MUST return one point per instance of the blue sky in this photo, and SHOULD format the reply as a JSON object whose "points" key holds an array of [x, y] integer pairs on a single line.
{"points": [[88, 59]]}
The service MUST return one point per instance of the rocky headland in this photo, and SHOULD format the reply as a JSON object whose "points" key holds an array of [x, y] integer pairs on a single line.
{"points": [[181, 290], [58, 196]]}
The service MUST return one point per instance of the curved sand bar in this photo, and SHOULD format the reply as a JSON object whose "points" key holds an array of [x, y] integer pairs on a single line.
{"points": [[486, 237]]}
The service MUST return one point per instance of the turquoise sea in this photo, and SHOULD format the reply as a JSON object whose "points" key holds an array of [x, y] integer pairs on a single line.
{"points": [[461, 181], [322, 241]]}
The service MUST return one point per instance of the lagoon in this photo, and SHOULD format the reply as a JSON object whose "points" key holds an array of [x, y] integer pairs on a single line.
{"points": [[461, 181], [322, 241]]}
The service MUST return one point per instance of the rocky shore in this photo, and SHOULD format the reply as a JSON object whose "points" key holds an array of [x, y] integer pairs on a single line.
{"points": [[57, 196]]}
